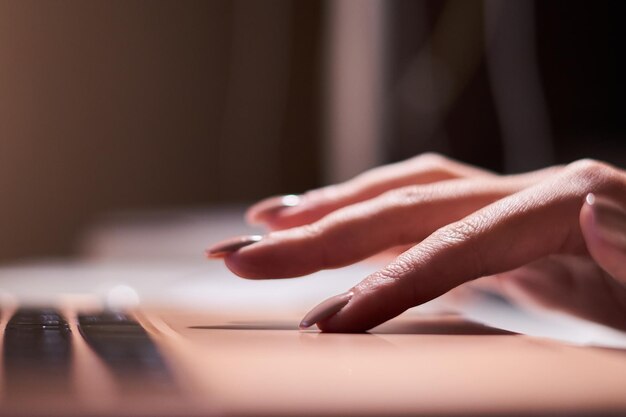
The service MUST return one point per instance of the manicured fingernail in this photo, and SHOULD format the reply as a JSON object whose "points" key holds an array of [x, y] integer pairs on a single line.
{"points": [[609, 220], [326, 309], [272, 206], [231, 245]]}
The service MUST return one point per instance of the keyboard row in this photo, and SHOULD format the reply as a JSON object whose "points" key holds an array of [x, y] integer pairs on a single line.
{"points": [[41, 341]]}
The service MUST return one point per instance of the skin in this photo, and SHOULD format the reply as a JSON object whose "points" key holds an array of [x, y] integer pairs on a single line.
{"points": [[531, 236]]}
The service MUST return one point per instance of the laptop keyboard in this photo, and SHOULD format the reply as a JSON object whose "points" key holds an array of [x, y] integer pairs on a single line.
{"points": [[37, 342], [40, 342], [125, 346], [37, 338]]}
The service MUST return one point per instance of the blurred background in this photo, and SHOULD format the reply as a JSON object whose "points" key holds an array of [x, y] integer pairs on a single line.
{"points": [[109, 106]]}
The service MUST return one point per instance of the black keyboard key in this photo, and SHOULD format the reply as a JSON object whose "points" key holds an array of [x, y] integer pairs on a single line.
{"points": [[37, 318], [37, 352], [125, 346]]}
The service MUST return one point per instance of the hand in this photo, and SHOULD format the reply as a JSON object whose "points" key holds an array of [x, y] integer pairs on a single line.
{"points": [[541, 237]]}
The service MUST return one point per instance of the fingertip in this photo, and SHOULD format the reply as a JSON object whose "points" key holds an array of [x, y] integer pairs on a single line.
{"points": [[282, 254], [350, 320], [336, 324], [233, 244], [367, 309], [603, 225], [334, 315], [326, 309], [244, 266], [604, 219], [586, 213], [594, 243]]}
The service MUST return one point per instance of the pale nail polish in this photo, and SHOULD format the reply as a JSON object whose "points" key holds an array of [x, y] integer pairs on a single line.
{"points": [[326, 309], [273, 205], [609, 220], [231, 245]]}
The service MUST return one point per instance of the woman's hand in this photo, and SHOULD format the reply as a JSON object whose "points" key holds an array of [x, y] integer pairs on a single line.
{"points": [[541, 236]]}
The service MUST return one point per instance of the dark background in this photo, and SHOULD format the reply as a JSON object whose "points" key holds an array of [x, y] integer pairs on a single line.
{"points": [[580, 58], [114, 105]]}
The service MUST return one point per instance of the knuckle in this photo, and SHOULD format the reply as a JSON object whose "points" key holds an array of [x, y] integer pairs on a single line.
{"points": [[371, 175], [399, 268], [586, 166], [395, 278], [431, 161], [462, 237], [408, 195], [427, 162], [590, 174], [324, 194], [431, 158], [438, 166], [312, 231], [315, 235], [458, 232]]}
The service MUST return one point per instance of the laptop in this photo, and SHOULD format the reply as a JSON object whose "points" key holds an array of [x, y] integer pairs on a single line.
{"points": [[106, 336]]}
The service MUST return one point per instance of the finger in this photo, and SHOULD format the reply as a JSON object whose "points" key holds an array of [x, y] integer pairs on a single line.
{"points": [[512, 232], [400, 217], [603, 223], [289, 211]]}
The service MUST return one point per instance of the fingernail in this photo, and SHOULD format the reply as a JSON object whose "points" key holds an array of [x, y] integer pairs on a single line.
{"points": [[273, 205], [231, 245], [609, 220], [326, 309]]}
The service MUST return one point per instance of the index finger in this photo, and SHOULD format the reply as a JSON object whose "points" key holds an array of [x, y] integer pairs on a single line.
{"points": [[507, 234]]}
